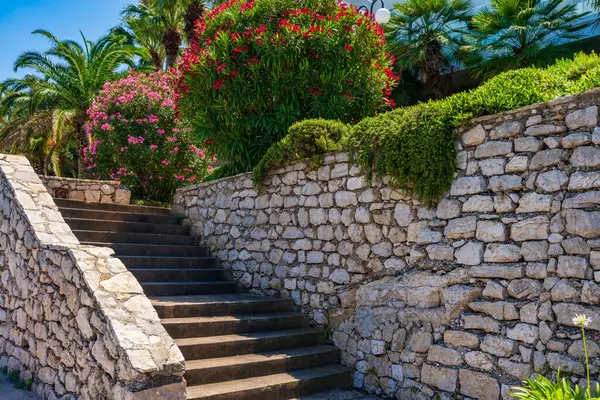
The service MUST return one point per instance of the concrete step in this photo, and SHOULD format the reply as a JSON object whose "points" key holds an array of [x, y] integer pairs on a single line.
{"points": [[147, 250], [202, 372], [126, 227], [131, 209], [133, 238], [213, 305], [187, 288], [275, 387], [181, 274], [147, 262], [118, 216], [257, 342], [230, 324]]}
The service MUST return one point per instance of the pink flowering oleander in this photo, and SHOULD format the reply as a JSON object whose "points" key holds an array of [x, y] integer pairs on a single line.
{"points": [[137, 137]]}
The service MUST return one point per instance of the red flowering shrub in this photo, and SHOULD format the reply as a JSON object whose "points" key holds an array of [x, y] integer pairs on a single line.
{"points": [[257, 67], [138, 140]]}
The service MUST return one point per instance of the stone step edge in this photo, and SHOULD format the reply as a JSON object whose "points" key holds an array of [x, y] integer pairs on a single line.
{"points": [[257, 383]]}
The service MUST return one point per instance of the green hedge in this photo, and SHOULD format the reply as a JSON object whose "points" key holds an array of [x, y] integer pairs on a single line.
{"points": [[415, 145], [310, 138]]}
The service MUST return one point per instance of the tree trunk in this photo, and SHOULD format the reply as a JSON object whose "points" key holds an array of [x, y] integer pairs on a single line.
{"points": [[39, 166], [171, 41], [83, 141], [157, 60], [432, 69], [193, 13]]}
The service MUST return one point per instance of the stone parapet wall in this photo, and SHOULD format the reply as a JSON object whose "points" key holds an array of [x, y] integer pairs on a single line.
{"points": [[461, 300], [72, 318], [87, 190]]}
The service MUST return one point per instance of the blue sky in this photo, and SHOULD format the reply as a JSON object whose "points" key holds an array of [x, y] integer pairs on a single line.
{"points": [[64, 18]]}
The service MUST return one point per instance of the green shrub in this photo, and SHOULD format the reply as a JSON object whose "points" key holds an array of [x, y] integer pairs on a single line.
{"points": [[258, 66], [412, 145], [590, 79], [415, 146], [310, 138], [514, 89], [139, 140], [574, 68]]}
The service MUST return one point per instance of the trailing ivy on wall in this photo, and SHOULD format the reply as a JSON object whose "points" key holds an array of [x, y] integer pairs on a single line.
{"points": [[415, 145]]}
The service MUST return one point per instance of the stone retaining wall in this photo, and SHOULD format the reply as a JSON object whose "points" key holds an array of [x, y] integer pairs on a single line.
{"points": [[87, 190], [465, 299], [72, 318]]}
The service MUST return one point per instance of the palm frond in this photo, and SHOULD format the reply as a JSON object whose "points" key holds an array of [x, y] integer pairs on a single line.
{"points": [[52, 100]]}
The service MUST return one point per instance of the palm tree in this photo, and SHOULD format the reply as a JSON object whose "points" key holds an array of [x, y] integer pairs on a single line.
{"points": [[426, 35], [65, 80], [173, 20], [42, 134], [511, 34], [142, 32]]}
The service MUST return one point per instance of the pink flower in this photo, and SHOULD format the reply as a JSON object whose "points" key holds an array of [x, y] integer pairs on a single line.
{"points": [[135, 140], [106, 127], [161, 131], [153, 147], [152, 118], [197, 151]]}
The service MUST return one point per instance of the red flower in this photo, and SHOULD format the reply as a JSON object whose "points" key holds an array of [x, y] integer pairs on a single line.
{"points": [[246, 6], [316, 92], [218, 83], [390, 101], [348, 95], [349, 48], [220, 68]]}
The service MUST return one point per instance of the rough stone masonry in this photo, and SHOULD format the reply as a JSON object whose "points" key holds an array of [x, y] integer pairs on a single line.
{"points": [[87, 190], [72, 318], [462, 300]]}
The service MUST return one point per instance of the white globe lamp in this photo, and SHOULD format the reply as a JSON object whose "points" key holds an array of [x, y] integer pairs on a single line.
{"points": [[382, 16]]}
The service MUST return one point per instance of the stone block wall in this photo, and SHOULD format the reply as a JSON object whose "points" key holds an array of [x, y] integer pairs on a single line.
{"points": [[87, 190], [461, 300], [72, 318]]}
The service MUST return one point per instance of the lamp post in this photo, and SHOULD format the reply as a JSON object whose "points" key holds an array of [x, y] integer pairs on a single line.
{"points": [[382, 15]]}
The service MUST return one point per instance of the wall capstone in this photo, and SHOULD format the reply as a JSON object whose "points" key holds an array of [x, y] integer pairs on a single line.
{"points": [[72, 318], [462, 300]]}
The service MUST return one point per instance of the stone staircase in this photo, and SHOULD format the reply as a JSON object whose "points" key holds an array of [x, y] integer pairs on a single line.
{"points": [[237, 346]]}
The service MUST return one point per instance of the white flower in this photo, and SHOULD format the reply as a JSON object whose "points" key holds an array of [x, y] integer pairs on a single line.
{"points": [[580, 320]]}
